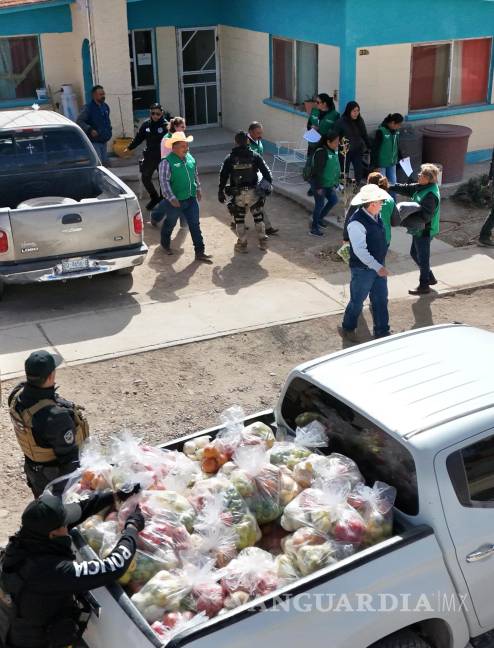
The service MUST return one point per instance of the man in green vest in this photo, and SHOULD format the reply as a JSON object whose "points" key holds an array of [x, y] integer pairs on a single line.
{"points": [[426, 216], [180, 186]]}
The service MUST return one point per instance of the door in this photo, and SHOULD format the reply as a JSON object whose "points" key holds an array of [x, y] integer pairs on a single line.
{"points": [[142, 68], [199, 76], [87, 71], [465, 475]]}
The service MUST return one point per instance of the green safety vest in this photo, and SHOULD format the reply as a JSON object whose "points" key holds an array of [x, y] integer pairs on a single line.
{"points": [[330, 176], [418, 196], [326, 123], [183, 176], [388, 151], [256, 147], [386, 211]]}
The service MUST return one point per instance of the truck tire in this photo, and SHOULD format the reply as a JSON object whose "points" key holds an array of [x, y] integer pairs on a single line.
{"points": [[125, 271], [401, 639]]}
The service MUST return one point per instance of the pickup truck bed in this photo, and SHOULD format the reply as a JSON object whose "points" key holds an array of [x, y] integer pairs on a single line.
{"points": [[264, 622]]}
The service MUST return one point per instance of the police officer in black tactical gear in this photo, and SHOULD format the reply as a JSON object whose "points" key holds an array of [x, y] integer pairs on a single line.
{"points": [[49, 428], [43, 586], [240, 167], [152, 132]]}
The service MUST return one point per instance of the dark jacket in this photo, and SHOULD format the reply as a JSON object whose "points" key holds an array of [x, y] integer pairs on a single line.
{"points": [[96, 117], [152, 132], [355, 131], [50, 577], [491, 170], [242, 156], [395, 219], [51, 424], [428, 204], [375, 238], [376, 146]]}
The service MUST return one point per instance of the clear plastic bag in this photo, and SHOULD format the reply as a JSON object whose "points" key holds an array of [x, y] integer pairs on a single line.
{"points": [[253, 572], [338, 467], [95, 529], [290, 453], [375, 505], [93, 474], [173, 623], [309, 550], [163, 593], [156, 502], [215, 535]]}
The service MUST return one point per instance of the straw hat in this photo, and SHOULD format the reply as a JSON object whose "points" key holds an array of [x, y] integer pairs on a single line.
{"points": [[370, 193], [179, 136]]}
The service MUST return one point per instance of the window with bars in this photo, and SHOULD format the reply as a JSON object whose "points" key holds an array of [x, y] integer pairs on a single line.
{"points": [[294, 70], [454, 73], [20, 68]]}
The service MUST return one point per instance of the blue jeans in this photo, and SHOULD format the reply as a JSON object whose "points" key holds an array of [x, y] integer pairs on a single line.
{"points": [[367, 283], [323, 205], [421, 254], [190, 210], [390, 173], [102, 151], [160, 211]]}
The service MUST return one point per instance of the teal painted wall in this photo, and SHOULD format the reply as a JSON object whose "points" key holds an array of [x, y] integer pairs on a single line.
{"points": [[36, 21], [156, 13]]}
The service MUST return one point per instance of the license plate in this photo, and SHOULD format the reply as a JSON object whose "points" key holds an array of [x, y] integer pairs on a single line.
{"points": [[75, 265]]}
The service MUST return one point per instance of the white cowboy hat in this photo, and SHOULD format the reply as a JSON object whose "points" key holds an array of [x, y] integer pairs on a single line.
{"points": [[179, 136], [370, 193]]}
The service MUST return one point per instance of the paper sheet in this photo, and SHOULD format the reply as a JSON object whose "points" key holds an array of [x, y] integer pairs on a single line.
{"points": [[406, 166], [312, 136]]}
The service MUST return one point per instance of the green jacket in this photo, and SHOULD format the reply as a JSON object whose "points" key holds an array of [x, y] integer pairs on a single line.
{"points": [[325, 124], [183, 176], [388, 151], [386, 212], [330, 175], [256, 146], [418, 196]]}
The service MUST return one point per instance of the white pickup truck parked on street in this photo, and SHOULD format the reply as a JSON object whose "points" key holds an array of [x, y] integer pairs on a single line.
{"points": [[415, 410], [62, 214]]}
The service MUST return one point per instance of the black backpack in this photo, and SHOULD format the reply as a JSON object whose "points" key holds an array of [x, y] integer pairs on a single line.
{"points": [[308, 170], [7, 605]]}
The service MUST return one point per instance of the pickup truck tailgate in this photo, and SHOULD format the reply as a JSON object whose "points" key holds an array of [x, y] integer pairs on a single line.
{"points": [[57, 230]]}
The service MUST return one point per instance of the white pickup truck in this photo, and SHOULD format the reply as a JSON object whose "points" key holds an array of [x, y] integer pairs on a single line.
{"points": [[62, 214], [415, 410]]}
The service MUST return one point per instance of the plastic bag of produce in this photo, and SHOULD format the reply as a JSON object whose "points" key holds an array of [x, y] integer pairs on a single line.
{"points": [[215, 535], [375, 505], [144, 566], [253, 572], [193, 448], [310, 550], [290, 453], [259, 483], [95, 529], [205, 593], [163, 593], [338, 467], [93, 474], [173, 623], [258, 433], [182, 475], [286, 569], [221, 498], [157, 502]]}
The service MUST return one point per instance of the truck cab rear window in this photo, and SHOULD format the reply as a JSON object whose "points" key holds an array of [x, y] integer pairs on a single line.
{"points": [[41, 149], [379, 456]]}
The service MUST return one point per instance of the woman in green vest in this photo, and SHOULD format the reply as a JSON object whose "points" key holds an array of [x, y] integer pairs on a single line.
{"points": [[426, 194], [325, 176], [385, 151], [323, 117]]}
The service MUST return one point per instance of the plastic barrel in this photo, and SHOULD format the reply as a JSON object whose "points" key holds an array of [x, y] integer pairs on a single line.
{"points": [[447, 145], [410, 146]]}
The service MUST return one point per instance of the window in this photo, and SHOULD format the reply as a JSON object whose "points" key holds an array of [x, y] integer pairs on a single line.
{"points": [[378, 455], [20, 68], [450, 74], [472, 473], [294, 70], [142, 72]]}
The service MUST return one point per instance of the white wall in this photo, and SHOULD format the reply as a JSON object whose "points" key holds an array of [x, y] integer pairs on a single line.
{"points": [[329, 70], [245, 83], [383, 86], [166, 55]]}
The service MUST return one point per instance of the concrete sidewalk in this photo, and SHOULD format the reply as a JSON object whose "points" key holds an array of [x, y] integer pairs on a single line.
{"points": [[217, 313]]}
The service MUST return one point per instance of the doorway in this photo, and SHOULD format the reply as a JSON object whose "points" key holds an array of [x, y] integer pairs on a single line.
{"points": [[142, 68], [198, 64]]}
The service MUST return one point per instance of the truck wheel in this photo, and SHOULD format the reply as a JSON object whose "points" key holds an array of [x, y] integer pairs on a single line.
{"points": [[125, 271], [401, 639]]}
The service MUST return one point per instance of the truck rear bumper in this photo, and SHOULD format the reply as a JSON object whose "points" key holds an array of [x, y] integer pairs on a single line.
{"points": [[51, 269]]}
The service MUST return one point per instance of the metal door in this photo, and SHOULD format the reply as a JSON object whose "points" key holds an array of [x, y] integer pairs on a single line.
{"points": [[199, 76]]}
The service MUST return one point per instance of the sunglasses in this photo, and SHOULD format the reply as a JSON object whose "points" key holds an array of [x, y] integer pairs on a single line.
{"points": [[156, 112], [318, 101]]}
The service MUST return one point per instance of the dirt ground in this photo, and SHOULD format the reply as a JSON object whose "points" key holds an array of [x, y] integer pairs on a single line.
{"points": [[460, 225], [168, 393]]}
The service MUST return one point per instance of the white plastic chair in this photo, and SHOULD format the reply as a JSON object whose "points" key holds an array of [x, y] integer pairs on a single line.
{"points": [[288, 161]]}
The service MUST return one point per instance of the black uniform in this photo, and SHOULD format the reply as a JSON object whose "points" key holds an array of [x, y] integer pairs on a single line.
{"points": [[152, 132], [43, 578], [53, 427]]}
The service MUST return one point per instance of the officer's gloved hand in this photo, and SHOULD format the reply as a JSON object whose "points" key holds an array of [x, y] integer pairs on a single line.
{"points": [[136, 519], [127, 491], [221, 196]]}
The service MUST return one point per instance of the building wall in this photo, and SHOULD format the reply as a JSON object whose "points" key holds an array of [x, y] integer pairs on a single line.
{"points": [[22, 20], [59, 63], [166, 55], [383, 86], [329, 70]]}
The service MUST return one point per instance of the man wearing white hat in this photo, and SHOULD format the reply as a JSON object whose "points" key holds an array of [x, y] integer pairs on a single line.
{"points": [[180, 186], [368, 249]]}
